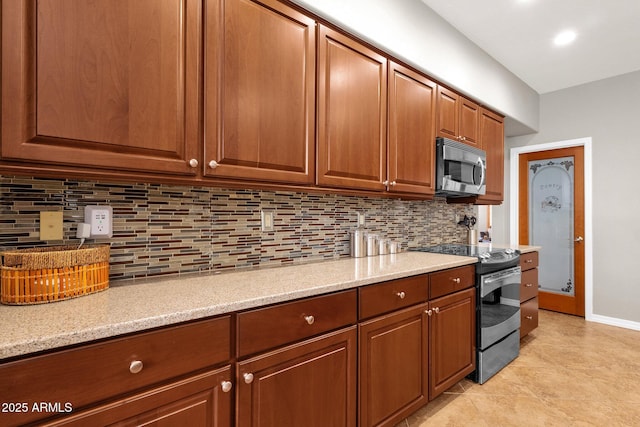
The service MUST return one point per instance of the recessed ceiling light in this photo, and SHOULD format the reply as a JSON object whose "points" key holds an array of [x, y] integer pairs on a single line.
{"points": [[564, 38]]}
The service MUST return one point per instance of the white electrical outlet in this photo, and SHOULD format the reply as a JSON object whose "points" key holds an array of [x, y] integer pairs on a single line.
{"points": [[100, 219]]}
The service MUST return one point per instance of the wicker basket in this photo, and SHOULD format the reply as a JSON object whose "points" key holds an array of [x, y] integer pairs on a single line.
{"points": [[56, 273]]}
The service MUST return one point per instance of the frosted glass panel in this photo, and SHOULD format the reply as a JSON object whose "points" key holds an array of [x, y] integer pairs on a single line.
{"points": [[551, 221]]}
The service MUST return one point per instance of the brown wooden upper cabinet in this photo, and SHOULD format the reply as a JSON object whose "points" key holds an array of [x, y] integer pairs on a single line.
{"points": [[412, 131], [458, 117], [259, 92], [352, 102], [110, 84], [492, 141]]}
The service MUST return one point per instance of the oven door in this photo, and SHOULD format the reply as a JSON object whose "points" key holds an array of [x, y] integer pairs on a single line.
{"points": [[499, 305]]}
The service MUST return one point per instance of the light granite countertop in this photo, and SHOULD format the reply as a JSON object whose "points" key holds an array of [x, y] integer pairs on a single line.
{"points": [[138, 305]]}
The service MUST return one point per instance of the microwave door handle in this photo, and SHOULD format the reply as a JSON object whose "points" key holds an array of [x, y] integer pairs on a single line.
{"points": [[483, 168]]}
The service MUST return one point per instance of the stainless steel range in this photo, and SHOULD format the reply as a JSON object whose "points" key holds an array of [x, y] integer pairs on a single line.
{"points": [[497, 304]]}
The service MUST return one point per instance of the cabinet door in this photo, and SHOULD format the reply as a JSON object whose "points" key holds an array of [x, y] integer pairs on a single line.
{"points": [[352, 103], [393, 368], [311, 384], [412, 131], [260, 92], [448, 113], [452, 340], [469, 121], [203, 400], [108, 84], [492, 141]]}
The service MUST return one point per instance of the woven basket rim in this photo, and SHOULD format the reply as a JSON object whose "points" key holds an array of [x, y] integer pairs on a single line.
{"points": [[54, 256]]}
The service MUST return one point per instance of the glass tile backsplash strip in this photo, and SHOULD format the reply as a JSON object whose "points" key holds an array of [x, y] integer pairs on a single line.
{"points": [[163, 229]]}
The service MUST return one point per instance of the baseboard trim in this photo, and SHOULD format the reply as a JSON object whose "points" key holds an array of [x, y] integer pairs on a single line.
{"points": [[627, 324]]}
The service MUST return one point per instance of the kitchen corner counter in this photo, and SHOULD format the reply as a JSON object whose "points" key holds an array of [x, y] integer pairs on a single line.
{"points": [[132, 306]]}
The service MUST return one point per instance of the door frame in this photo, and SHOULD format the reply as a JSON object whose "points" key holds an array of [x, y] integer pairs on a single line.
{"points": [[588, 207]]}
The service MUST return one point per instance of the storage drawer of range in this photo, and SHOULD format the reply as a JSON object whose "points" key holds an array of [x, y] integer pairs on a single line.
{"points": [[270, 327]]}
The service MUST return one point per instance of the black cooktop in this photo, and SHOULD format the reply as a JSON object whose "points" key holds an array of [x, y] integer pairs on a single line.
{"points": [[490, 258]]}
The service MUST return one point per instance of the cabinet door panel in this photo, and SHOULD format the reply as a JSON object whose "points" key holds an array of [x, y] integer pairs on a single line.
{"points": [[412, 115], [308, 384], [393, 366], [260, 91], [111, 84], [448, 113], [469, 119], [195, 401], [492, 141], [452, 340], [352, 102]]}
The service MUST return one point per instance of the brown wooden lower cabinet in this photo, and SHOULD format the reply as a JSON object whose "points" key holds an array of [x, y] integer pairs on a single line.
{"points": [[393, 356], [452, 340], [529, 293], [198, 401], [311, 384]]}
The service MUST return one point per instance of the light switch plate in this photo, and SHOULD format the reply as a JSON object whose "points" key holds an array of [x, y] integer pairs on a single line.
{"points": [[51, 225], [266, 217]]}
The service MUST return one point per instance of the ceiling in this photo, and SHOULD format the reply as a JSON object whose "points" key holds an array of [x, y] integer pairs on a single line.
{"points": [[519, 34]]}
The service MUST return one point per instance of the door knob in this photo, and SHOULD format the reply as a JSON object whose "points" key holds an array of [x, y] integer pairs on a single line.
{"points": [[579, 239]]}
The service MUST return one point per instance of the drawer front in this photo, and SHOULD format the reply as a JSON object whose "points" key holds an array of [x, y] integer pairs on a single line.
{"points": [[452, 280], [270, 327], [528, 316], [529, 284], [528, 260], [393, 295], [94, 372]]}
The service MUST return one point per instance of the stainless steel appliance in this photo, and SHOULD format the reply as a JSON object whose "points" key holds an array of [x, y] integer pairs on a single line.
{"points": [[497, 305], [460, 169]]}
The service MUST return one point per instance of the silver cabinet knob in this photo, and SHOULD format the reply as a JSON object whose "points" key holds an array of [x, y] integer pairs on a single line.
{"points": [[310, 319], [456, 280], [436, 310], [213, 164], [579, 239], [226, 386], [528, 285], [429, 312], [386, 182], [401, 295], [529, 261], [248, 378], [529, 317], [136, 366], [193, 163]]}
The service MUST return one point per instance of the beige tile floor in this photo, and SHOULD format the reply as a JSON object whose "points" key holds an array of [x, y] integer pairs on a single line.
{"points": [[569, 373]]}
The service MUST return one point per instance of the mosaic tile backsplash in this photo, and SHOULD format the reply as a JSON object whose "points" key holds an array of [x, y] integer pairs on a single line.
{"points": [[162, 229]]}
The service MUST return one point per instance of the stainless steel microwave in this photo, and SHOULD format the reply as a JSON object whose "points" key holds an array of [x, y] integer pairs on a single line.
{"points": [[460, 169]]}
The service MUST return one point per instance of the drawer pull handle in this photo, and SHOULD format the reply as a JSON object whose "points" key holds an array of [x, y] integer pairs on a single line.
{"points": [[401, 295], [226, 386], [529, 285], [456, 280], [436, 310], [310, 319], [529, 261], [136, 366], [529, 317], [248, 378]]}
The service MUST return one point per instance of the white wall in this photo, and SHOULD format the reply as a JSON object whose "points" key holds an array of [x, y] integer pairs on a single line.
{"points": [[608, 111], [411, 31]]}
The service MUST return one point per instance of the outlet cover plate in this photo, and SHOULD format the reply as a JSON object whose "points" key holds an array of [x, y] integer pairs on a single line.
{"points": [[51, 225]]}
